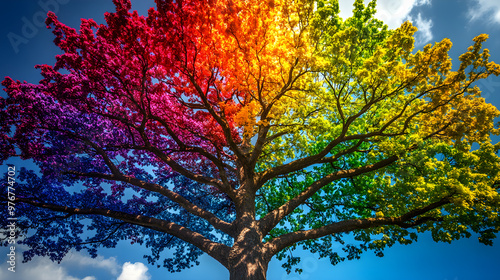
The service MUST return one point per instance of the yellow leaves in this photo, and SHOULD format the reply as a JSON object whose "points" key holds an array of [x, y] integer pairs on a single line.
{"points": [[477, 59], [493, 68], [452, 104], [402, 40], [405, 98], [433, 62], [480, 38], [437, 170], [470, 118]]}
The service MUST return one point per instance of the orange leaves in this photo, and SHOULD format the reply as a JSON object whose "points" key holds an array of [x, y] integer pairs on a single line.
{"points": [[260, 63], [257, 46], [246, 118], [433, 62], [259, 50]]}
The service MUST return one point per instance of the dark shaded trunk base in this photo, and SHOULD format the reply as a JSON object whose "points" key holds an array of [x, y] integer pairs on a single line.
{"points": [[252, 271], [248, 265]]}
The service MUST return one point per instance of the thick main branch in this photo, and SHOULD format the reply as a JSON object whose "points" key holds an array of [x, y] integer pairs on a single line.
{"points": [[216, 250], [406, 220], [272, 218], [175, 197]]}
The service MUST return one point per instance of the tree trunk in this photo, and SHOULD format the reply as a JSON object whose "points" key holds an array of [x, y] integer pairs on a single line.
{"points": [[248, 260], [248, 264]]}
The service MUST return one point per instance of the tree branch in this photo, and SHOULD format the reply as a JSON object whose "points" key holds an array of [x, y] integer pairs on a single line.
{"points": [[221, 121], [216, 250], [175, 197], [307, 161], [272, 218], [410, 219]]}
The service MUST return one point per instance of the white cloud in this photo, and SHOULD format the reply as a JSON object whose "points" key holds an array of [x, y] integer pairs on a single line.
{"points": [[109, 264], [488, 9], [394, 13], [44, 269], [136, 271], [424, 33]]}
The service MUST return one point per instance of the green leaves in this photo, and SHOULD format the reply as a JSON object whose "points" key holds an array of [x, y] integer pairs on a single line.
{"points": [[371, 97]]}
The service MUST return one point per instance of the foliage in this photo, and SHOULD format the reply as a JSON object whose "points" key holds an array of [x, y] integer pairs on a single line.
{"points": [[211, 129]]}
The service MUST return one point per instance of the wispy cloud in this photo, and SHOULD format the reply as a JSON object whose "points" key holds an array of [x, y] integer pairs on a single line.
{"points": [[109, 264], [485, 9], [134, 271], [424, 33], [394, 13]]}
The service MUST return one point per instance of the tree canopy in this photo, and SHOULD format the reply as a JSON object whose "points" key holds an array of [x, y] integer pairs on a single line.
{"points": [[245, 129]]}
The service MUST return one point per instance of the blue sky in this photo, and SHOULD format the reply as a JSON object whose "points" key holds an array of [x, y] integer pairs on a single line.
{"points": [[436, 19]]}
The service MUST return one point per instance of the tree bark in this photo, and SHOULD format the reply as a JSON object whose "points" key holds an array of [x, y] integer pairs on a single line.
{"points": [[247, 260], [248, 257], [248, 266]]}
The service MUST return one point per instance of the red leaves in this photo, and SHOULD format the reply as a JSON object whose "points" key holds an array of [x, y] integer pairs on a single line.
{"points": [[154, 83], [66, 37], [122, 6]]}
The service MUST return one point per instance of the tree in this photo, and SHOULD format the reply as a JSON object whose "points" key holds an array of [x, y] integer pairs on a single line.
{"points": [[245, 130]]}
